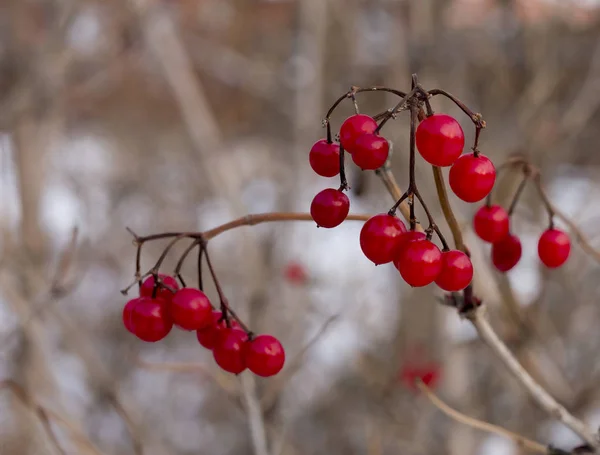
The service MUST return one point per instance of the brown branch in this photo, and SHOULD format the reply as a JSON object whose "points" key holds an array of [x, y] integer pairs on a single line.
{"points": [[479, 320], [442, 193], [44, 415], [521, 441]]}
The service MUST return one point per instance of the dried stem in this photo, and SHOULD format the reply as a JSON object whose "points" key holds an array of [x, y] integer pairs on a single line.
{"points": [[521, 441], [479, 320]]}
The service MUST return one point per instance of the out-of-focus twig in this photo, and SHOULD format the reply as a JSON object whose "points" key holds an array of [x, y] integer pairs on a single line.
{"points": [[45, 415], [521, 441]]}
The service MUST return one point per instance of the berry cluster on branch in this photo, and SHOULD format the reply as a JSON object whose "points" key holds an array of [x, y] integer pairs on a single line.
{"points": [[440, 141]]}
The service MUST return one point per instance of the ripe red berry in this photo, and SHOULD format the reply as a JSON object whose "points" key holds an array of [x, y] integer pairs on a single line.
{"points": [[404, 240], [127, 310], [191, 309], [150, 319], [428, 373], [506, 253], [324, 158], [229, 350], [370, 152], [491, 223], [472, 177], [380, 238], [264, 355], [354, 127], [457, 271], [440, 139], [329, 208], [295, 273], [161, 293], [420, 263], [554, 247], [207, 336]]}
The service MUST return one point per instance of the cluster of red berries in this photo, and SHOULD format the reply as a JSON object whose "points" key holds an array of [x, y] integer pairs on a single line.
{"points": [[151, 317], [384, 238], [492, 224]]}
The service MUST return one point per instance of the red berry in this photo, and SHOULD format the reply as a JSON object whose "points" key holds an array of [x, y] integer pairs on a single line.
{"points": [[380, 238], [491, 223], [370, 152], [150, 319], [554, 247], [191, 309], [127, 310], [457, 271], [161, 293], [472, 177], [429, 374], [295, 273], [207, 336], [354, 127], [329, 208], [229, 350], [420, 263], [324, 158], [404, 240], [506, 253], [264, 355], [440, 139]]}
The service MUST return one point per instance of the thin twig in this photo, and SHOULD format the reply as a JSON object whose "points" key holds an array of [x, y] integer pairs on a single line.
{"points": [[521, 441], [479, 320]]}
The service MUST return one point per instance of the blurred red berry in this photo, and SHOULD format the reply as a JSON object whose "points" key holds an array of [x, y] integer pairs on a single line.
{"points": [[440, 139], [207, 336], [554, 248], [506, 253], [472, 177], [370, 152], [324, 158], [457, 271], [264, 355], [228, 351], [354, 127], [491, 223], [150, 319], [428, 373], [329, 208], [380, 238], [127, 310], [295, 273], [191, 309], [420, 263], [161, 293]]}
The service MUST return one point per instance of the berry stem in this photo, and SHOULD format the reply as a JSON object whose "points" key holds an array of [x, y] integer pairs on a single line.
{"points": [[199, 264], [397, 108], [518, 193], [343, 180], [447, 209], [225, 308], [544, 197], [432, 224]]}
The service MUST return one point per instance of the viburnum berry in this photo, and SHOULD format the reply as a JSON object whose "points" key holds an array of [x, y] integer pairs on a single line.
{"points": [[440, 139], [191, 309], [207, 336], [354, 127], [420, 263], [554, 247], [324, 158], [127, 310], [264, 355], [370, 152], [150, 319], [506, 253], [404, 240], [295, 273], [472, 177], [329, 208], [163, 293], [228, 350], [457, 271], [428, 373], [491, 223], [380, 238]]}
